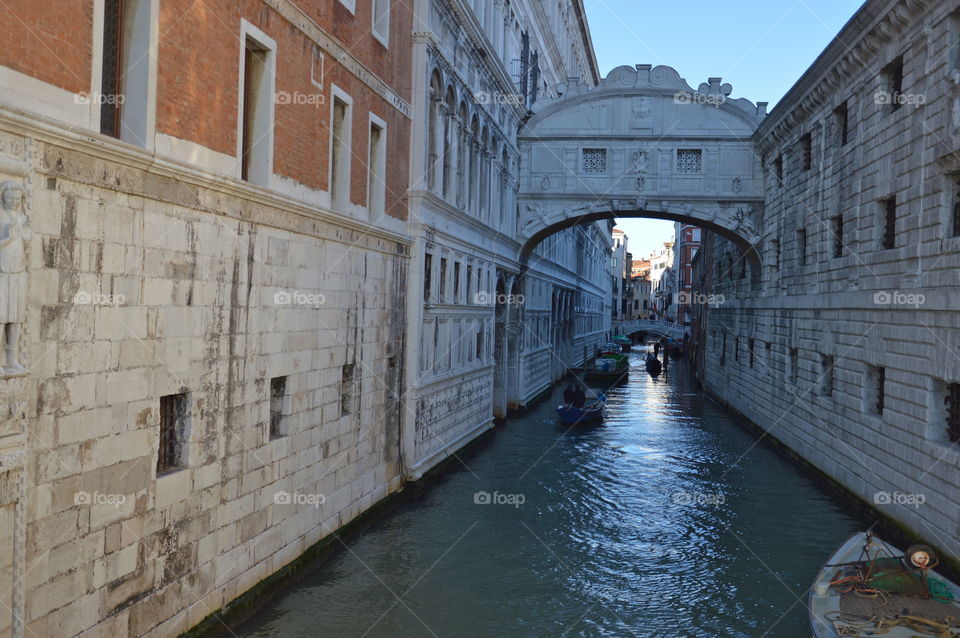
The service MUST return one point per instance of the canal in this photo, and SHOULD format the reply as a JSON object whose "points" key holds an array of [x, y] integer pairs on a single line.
{"points": [[669, 520]]}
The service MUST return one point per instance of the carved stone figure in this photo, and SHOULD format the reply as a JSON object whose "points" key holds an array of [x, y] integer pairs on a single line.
{"points": [[14, 234], [640, 162]]}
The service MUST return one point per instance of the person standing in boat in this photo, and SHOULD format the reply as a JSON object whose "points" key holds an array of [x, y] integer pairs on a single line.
{"points": [[580, 398]]}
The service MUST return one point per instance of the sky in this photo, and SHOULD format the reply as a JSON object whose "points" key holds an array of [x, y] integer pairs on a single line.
{"points": [[761, 47]]}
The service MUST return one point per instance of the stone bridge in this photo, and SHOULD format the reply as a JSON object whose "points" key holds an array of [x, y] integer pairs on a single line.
{"points": [[663, 328], [643, 143]]}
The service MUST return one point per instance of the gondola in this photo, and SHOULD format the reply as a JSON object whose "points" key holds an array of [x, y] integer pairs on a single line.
{"points": [[588, 414], [869, 587], [653, 365]]}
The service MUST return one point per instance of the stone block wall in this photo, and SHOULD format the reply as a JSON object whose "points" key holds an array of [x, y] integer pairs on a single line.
{"points": [[145, 283], [852, 313]]}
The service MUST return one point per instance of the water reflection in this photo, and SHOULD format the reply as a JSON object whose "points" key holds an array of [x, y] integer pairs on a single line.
{"points": [[668, 520]]}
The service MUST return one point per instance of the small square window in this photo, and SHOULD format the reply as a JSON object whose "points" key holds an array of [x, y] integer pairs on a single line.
{"points": [[594, 160], [689, 160]]}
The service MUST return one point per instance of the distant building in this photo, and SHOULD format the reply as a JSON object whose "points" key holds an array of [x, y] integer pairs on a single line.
{"points": [[686, 246]]}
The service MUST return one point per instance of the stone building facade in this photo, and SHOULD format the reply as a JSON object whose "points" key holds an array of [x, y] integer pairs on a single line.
{"points": [[474, 322], [203, 270], [842, 341], [259, 267]]}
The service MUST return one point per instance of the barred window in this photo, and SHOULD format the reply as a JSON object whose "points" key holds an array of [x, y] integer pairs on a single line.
{"points": [[174, 413], [890, 223], [952, 401], [278, 391], [594, 160], [689, 160]]}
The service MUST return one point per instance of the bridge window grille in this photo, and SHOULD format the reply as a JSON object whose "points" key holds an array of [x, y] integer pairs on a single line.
{"points": [[952, 402], [594, 160], [890, 223], [956, 206], [174, 413], [806, 148], [837, 227], [689, 160]]}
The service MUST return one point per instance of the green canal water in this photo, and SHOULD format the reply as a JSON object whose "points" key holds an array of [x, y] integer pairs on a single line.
{"points": [[668, 520]]}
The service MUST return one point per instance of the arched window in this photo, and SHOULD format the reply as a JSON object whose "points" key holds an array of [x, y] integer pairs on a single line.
{"points": [[433, 130], [449, 130]]}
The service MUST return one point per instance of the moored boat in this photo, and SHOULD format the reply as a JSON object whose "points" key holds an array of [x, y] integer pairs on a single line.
{"points": [[592, 413], [609, 366], [869, 587], [624, 342]]}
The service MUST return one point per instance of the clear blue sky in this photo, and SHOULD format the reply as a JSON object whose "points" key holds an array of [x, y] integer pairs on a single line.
{"points": [[760, 47]]}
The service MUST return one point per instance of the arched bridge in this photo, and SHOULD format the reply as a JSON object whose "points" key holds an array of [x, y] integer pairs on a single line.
{"points": [[663, 328], [643, 143]]}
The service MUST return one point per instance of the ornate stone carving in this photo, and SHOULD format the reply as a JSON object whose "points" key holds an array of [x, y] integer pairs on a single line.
{"points": [[545, 183], [639, 162], [641, 183], [736, 185], [14, 235]]}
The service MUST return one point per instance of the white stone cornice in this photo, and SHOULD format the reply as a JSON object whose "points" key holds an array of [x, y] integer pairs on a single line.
{"points": [[859, 43]]}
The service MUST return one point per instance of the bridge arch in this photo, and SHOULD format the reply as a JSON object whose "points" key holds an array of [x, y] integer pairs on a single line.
{"points": [[643, 143]]}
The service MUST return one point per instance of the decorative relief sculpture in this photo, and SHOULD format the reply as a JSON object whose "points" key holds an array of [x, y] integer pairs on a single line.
{"points": [[640, 162], [14, 234], [641, 183], [737, 185], [545, 183], [642, 116]]}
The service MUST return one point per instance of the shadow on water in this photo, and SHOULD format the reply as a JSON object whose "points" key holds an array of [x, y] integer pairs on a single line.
{"points": [[668, 519]]}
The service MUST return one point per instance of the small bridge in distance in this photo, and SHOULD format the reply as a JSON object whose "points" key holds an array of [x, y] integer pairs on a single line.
{"points": [[663, 328]]}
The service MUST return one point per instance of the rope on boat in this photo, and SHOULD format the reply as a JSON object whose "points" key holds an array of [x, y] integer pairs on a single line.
{"points": [[853, 625]]}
